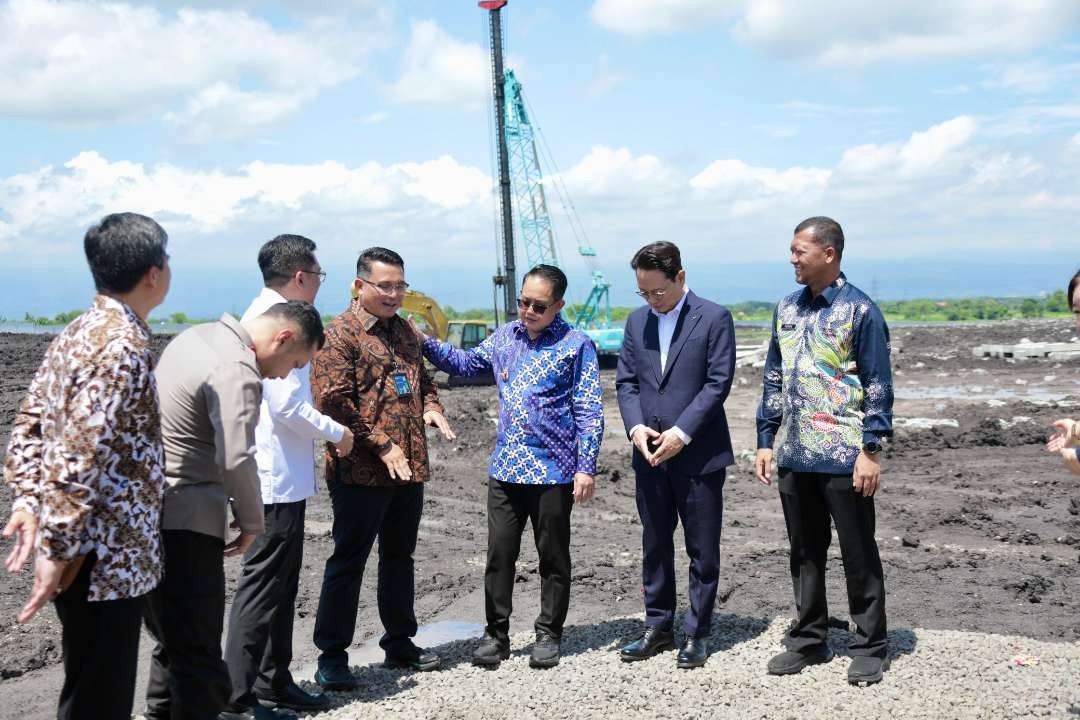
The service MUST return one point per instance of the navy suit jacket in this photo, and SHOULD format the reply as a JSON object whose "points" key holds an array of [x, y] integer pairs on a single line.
{"points": [[690, 392]]}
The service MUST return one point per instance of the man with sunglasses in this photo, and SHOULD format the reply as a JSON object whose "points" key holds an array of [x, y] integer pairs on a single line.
{"points": [[371, 378], [551, 422], [675, 371]]}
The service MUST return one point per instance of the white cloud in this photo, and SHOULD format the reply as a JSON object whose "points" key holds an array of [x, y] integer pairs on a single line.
{"points": [[814, 110], [1074, 144], [1034, 77], [856, 32], [615, 173], [606, 78], [83, 62], [375, 118], [937, 150], [748, 190], [439, 69]]}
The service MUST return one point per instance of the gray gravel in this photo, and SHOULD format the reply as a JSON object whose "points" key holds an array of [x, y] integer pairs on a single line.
{"points": [[935, 674]]}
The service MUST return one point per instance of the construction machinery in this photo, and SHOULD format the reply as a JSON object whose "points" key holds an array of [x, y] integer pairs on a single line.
{"points": [[520, 173]]}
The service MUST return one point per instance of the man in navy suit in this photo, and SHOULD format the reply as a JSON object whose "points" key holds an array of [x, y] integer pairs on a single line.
{"points": [[675, 371]]}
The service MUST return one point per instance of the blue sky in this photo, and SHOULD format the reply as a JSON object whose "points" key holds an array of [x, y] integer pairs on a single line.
{"points": [[944, 136]]}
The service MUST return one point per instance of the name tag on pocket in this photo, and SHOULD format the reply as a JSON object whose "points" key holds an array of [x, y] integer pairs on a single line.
{"points": [[787, 326], [401, 384]]}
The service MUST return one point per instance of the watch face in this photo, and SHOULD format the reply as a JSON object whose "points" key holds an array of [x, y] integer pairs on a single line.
{"points": [[872, 447]]}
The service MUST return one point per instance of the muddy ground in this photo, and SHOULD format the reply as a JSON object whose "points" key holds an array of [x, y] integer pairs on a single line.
{"points": [[979, 528]]}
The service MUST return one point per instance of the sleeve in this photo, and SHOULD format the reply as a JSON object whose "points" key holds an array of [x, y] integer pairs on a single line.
{"points": [[454, 361], [22, 463], [429, 394], [771, 410], [72, 489], [627, 389], [333, 385], [719, 374], [288, 405], [233, 393], [872, 362], [587, 408]]}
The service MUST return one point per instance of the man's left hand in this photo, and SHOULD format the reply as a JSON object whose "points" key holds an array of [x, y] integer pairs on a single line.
{"points": [[584, 487], [23, 526], [1072, 462], [867, 475], [436, 419], [668, 445]]}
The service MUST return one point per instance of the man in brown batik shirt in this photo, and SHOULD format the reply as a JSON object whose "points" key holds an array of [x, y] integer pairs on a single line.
{"points": [[371, 378]]}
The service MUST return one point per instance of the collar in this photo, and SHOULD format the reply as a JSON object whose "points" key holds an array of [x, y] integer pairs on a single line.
{"points": [[558, 326], [234, 325], [674, 312], [829, 293], [271, 296], [367, 320], [105, 303]]}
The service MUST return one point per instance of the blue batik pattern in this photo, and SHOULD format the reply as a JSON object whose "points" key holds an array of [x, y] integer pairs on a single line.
{"points": [[551, 413]]}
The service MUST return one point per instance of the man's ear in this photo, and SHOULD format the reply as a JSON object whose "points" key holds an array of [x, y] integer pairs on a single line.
{"points": [[680, 276], [559, 305], [282, 339]]}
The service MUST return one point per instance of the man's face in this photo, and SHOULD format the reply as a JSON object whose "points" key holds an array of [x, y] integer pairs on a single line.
{"points": [[661, 293], [1076, 306], [537, 304], [810, 260], [286, 352], [309, 282], [383, 291]]}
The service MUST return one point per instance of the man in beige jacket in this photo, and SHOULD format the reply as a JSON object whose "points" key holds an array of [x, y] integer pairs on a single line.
{"points": [[209, 384]]}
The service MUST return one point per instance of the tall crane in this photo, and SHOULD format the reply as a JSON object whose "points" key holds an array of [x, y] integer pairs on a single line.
{"points": [[519, 168]]}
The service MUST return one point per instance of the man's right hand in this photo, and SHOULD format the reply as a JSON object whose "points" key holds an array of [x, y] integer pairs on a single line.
{"points": [[23, 526], [396, 463], [343, 447], [240, 544], [47, 574], [641, 437], [763, 466]]}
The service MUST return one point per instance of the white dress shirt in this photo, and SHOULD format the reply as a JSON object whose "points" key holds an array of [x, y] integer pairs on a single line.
{"points": [[288, 427], [665, 325]]}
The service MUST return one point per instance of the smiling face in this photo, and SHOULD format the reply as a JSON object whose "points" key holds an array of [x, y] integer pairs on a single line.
{"points": [[537, 292], [383, 291], [814, 264]]}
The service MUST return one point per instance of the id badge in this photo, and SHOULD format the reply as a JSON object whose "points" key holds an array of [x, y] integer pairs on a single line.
{"points": [[401, 384]]}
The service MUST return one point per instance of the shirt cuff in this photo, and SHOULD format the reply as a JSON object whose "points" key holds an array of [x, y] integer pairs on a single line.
{"points": [[633, 430], [765, 440], [26, 503], [682, 436], [587, 466]]}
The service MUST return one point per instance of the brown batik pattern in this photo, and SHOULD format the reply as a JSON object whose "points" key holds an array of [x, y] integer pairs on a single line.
{"points": [[352, 382], [85, 454]]}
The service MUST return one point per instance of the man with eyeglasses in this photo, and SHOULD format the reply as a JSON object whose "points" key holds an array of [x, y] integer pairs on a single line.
{"points": [[551, 422], [259, 646], [371, 378], [675, 371]]}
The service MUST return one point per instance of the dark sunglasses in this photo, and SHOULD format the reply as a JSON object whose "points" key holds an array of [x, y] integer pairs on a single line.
{"points": [[539, 308]]}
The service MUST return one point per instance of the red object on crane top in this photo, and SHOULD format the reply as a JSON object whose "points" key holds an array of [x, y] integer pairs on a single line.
{"points": [[492, 4]]}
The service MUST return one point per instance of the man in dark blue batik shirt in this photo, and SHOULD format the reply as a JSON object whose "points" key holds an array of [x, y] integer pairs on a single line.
{"points": [[827, 400]]}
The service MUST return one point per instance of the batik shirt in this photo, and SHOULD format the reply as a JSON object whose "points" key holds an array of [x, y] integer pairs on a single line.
{"points": [[828, 383], [85, 454], [551, 418]]}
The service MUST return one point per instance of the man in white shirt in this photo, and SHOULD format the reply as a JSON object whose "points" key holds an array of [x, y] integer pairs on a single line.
{"points": [[259, 646]]}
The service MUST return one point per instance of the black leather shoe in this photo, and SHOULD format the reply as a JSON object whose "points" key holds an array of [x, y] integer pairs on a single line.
{"points": [[491, 651], [866, 670], [694, 653], [413, 658], [790, 662], [256, 712], [335, 678], [546, 651], [292, 696], [653, 641]]}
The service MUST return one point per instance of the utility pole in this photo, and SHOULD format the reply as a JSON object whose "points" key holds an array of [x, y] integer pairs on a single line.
{"points": [[508, 281]]}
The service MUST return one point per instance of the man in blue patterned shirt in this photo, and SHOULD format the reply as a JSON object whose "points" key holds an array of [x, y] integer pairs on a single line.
{"points": [[828, 396], [551, 422]]}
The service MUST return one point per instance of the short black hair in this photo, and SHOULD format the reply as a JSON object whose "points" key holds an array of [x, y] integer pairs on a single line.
{"points": [[377, 254], [304, 316], [1072, 288], [661, 255], [122, 248], [826, 233], [551, 274], [282, 257]]}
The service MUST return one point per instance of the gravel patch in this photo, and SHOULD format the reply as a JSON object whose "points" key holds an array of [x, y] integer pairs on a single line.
{"points": [[935, 674]]}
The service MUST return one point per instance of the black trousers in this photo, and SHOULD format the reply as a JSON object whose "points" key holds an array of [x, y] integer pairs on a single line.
{"points": [[809, 500], [548, 508], [362, 514], [100, 643], [185, 614], [663, 499], [259, 647]]}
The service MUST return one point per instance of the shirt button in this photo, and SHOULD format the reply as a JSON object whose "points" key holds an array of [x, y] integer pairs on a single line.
{"points": [[661, 392]]}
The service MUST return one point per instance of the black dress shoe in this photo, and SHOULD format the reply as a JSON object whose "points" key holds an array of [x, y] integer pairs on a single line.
{"points": [[866, 669], [491, 651], [256, 712], [293, 697], [790, 662], [335, 677], [694, 653], [653, 641], [546, 651], [413, 658]]}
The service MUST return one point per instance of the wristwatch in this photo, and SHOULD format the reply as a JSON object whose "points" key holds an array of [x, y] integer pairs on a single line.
{"points": [[873, 447]]}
